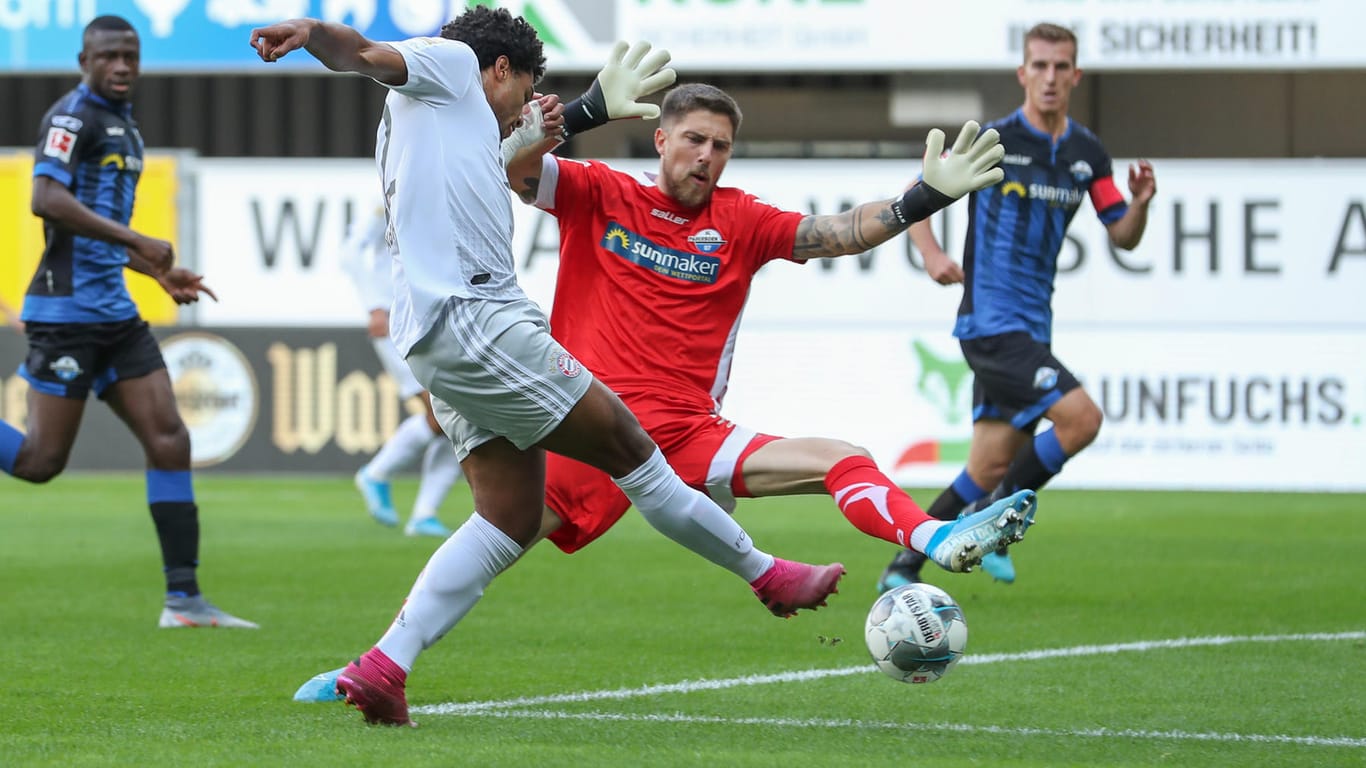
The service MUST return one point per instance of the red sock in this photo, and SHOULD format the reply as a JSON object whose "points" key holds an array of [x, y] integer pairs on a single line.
{"points": [[376, 660], [872, 502]]}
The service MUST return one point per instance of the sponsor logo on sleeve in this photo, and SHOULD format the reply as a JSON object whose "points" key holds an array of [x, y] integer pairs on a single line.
{"points": [[68, 122], [59, 143]]}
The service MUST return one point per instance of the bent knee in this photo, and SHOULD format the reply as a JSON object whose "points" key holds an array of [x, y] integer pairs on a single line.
{"points": [[169, 449], [39, 469], [1091, 420], [1080, 430]]}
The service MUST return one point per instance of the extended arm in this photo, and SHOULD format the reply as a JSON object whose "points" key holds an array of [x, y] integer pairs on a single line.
{"points": [[853, 231], [971, 165], [631, 72], [339, 48], [1128, 231], [55, 204]]}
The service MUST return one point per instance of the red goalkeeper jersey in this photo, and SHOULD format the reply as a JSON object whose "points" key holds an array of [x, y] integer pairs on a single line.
{"points": [[649, 294]]}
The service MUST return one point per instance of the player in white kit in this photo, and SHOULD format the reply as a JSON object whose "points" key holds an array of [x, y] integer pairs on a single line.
{"points": [[365, 258], [503, 388]]}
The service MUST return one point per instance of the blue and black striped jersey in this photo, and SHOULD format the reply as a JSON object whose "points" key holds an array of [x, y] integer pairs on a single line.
{"points": [[92, 147], [1016, 227]]}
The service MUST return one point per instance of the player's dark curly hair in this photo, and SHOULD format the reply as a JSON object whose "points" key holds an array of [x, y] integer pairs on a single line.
{"points": [[493, 32], [691, 97]]}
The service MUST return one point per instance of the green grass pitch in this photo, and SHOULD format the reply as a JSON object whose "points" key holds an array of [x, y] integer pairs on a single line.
{"points": [[87, 679]]}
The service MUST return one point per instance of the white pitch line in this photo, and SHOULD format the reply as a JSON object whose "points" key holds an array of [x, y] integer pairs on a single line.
{"points": [[690, 686], [783, 722]]}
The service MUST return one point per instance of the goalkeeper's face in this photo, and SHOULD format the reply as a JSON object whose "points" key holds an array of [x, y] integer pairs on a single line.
{"points": [[693, 151]]}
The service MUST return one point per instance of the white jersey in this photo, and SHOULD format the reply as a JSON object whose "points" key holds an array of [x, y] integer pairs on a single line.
{"points": [[445, 188], [365, 259]]}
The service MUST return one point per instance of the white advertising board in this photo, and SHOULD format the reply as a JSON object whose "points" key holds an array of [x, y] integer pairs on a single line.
{"points": [[269, 236], [1183, 410], [892, 35], [1245, 245], [1228, 350]]}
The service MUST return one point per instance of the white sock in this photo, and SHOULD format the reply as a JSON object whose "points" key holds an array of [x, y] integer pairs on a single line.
{"points": [[692, 519], [446, 590], [921, 534], [440, 470], [402, 449]]}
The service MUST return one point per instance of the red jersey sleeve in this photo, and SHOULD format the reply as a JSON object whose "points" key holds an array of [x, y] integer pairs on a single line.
{"points": [[771, 231], [572, 191]]}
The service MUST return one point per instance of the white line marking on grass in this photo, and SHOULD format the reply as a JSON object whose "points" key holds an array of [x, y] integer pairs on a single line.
{"points": [[783, 722], [687, 686], [1154, 645], [690, 686]]}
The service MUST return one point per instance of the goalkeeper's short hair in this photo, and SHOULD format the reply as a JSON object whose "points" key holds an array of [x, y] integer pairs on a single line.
{"points": [[692, 97]]}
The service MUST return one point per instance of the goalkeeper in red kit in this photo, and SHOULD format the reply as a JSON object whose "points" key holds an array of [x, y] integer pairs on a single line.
{"points": [[653, 277]]}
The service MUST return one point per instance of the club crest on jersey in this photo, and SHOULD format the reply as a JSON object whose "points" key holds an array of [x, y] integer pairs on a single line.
{"points": [[1081, 170], [1045, 378], [567, 365], [679, 265], [66, 368], [707, 241]]}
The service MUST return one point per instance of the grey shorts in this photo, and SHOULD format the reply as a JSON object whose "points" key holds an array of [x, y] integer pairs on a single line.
{"points": [[495, 371]]}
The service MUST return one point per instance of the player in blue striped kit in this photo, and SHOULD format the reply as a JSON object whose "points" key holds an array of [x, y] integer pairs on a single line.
{"points": [[83, 328], [1005, 321]]}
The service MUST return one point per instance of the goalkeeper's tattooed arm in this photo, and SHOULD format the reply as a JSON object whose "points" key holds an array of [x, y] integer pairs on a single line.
{"points": [[854, 231], [972, 163]]}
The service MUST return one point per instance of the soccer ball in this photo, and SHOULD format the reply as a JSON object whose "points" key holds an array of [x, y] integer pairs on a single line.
{"points": [[916, 633]]}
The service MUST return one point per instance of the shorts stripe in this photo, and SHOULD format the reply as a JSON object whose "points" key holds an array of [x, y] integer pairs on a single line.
{"points": [[46, 387], [723, 467], [517, 376]]}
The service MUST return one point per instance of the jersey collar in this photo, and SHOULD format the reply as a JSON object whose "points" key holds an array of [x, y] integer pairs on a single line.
{"points": [[1045, 137], [124, 108]]}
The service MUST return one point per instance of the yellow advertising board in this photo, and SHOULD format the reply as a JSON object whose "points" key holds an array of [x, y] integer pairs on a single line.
{"points": [[21, 233]]}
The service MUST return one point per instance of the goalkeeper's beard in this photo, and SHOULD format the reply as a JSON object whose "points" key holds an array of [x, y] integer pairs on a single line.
{"points": [[688, 192]]}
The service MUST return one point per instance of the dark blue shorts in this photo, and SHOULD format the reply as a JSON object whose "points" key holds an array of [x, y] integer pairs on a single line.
{"points": [[71, 359], [1015, 378]]}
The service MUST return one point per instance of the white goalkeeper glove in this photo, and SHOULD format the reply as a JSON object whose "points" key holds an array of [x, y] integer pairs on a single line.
{"points": [[529, 133], [630, 73], [972, 164]]}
